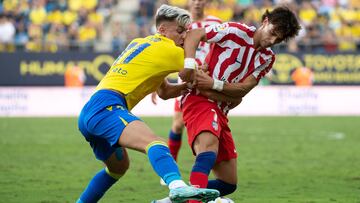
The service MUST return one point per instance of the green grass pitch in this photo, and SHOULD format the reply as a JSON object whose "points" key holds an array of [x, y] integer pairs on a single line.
{"points": [[281, 160]]}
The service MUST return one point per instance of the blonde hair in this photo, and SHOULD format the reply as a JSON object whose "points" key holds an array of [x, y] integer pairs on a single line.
{"points": [[171, 13]]}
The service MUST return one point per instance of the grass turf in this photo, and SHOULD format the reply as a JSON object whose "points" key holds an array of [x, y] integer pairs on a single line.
{"points": [[281, 159]]}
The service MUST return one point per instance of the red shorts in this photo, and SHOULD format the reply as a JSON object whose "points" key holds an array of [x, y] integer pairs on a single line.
{"points": [[201, 115]]}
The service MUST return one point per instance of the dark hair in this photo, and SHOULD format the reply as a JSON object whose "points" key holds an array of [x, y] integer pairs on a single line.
{"points": [[285, 22]]}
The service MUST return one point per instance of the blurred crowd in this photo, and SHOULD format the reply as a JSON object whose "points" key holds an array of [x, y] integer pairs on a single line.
{"points": [[101, 25], [52, 25]]}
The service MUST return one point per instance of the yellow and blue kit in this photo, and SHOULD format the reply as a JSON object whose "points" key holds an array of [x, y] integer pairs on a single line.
{"points": [[142, 67], [138, 71]]}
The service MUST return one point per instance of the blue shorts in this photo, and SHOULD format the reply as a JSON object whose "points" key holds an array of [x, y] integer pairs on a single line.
{"points": [[102, 121]]}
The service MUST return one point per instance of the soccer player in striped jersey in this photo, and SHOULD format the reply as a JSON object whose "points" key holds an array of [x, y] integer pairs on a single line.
{"points": [[108, 125], [241, 56], [200, 20]]}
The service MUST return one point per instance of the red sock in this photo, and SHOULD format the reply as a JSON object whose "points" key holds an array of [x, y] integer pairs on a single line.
{"points": [[200, 180], [174, 146]]}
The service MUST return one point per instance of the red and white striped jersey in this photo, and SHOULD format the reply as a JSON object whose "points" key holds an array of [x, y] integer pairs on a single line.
{"points": [[203, 48], [233, 57]]}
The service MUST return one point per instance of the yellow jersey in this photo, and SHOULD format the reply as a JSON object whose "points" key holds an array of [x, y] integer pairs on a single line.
{"points": [[142, 66]]}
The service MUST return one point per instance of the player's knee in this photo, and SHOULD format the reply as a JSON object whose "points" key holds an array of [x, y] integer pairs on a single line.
{"points": [[120, 162], [123, 167], [119, 169], [206, 142]]}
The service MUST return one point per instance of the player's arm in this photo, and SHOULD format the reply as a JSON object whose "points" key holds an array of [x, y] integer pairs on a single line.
{"points": [[191, 42], [218, 96], [167, 90], [236, 90], [240, 89], [154, 98]]}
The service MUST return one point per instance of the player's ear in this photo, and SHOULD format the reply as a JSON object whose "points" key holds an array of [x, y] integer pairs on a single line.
{"points": [[161, 29], [265, 21]]}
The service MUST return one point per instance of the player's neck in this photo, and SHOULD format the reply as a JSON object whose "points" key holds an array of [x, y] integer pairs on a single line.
{"points": [[198, 17], [256, 40]]}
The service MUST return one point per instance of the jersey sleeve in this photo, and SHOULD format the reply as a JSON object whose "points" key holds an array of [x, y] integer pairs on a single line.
{"points": [[216, 32], [230, 34], [264, 68]]}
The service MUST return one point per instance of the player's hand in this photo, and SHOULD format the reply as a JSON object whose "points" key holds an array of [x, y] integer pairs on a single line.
{"points": [[203, 80], [187, 75], [187, 88], [154, 98], [203, 67]]}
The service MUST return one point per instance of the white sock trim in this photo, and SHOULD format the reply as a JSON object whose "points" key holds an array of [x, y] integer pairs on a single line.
{"points": [[176, 184]]}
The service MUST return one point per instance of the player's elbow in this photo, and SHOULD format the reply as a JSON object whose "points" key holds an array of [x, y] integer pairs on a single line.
{"points": [[163, 95]]}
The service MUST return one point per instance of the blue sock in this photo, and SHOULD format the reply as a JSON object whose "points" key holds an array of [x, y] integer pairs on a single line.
{"points": [[162, 161], [200, 172], [175, 136], [204, 162], [97, 187], [223, 187]]}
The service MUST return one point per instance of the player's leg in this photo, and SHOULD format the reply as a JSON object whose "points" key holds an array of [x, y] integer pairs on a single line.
{"points": [[225, 169], [138, 136], [204, 126], [118, 163], [109, 127], [101, 127], [116, 166], [177, 128], [205, 147], [175, 134], [119, 127], [226, 177], [225, 182]]}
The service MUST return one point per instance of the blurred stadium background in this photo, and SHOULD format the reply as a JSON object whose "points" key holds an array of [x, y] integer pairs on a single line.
{"points": [[53, 53], [46, 43]]}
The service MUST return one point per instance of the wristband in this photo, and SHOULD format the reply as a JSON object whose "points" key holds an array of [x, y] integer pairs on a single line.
{"points": [[218, 85], [190, 63]]}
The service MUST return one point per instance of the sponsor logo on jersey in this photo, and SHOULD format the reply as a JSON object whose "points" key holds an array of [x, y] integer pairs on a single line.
{"points": [[220, 27]]}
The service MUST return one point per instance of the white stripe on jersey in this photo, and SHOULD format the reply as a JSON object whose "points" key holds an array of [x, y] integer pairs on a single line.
{"points": [[240, 34], [204, 48], [248, 60], [235, 57], [224, 29], [260, 68], [231, 68], [223, 56]]}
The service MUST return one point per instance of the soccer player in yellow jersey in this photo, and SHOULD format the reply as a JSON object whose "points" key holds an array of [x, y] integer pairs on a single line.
{"points": [[108, 125]]}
